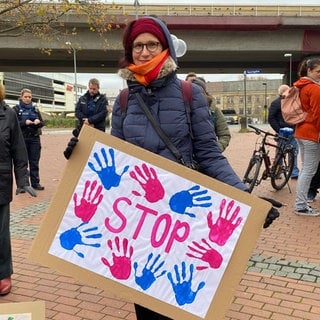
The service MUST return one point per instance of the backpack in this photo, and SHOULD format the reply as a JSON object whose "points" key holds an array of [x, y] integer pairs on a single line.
{"points": [[186, 88], [291, 108]]}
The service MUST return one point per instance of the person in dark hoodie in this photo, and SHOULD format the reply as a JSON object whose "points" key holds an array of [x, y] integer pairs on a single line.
{"points": [[307, 132], [13, 161], [149, 67]]}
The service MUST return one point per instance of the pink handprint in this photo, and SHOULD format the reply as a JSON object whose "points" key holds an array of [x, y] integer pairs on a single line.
{"points": [[149, 182], [206, 254], [89, 202], [221, 231], [121, 268]]}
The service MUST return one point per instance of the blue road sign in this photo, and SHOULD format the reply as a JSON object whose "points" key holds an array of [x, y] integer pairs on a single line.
{"points": [[253, 71]]}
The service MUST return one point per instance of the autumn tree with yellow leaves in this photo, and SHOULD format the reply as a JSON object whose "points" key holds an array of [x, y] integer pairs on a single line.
{"points": [[48, 20]]}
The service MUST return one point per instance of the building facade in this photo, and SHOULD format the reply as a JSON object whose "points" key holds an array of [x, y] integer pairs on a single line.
{"points": [[53, 94], [250, 97]]}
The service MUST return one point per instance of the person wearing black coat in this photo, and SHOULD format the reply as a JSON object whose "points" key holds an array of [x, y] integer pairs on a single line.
{"points": [[91, 108], [13, 160]]}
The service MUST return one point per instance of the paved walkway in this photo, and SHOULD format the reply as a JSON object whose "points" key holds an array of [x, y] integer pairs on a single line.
{"points": [[282, 280]]}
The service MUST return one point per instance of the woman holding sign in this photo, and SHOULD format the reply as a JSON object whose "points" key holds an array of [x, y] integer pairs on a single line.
{"points": [[149, 66], [156, 99]]}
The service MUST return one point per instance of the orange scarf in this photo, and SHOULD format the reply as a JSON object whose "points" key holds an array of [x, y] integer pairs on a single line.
{"points": [[149, 71]]}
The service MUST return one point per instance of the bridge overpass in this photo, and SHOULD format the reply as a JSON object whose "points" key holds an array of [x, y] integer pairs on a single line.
{"points": [[220, 39]]}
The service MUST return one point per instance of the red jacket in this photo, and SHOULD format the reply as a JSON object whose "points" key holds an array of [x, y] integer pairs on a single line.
{"points": [[310, 100]]}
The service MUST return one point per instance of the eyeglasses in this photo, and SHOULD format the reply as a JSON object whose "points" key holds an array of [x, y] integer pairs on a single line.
{"points": [[151, 46]]}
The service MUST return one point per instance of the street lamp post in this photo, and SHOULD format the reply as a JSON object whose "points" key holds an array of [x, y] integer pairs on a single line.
{"points": [[243, 120], [265, 84], [136, 5], [286, 55], [68, 43]]}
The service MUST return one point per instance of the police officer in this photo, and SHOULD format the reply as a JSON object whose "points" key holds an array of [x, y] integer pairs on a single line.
{"points": [[31, 122], [91, 108]]}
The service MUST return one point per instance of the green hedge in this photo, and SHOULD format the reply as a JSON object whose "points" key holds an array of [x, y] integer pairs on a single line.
{"points": [[63, 122], [60, 122]]}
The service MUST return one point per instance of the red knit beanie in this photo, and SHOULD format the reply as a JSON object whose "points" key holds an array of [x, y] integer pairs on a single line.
{"points": [[136, 27], [148, 25]]}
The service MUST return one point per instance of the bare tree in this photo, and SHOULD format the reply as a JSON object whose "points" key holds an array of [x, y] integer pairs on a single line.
{"points": [[49, 19]]}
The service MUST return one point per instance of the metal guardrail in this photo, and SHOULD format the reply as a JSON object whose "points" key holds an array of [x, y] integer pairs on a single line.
{"points": [[215, 10]]}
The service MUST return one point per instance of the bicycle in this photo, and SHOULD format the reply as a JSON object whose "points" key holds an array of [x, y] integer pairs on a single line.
{"points": [[280, 170]]}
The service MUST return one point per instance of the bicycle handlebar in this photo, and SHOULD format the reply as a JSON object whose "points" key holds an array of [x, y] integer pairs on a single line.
{"points": [[266, 133]]}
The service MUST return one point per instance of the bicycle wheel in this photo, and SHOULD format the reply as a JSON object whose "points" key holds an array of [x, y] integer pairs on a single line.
{"points": [[252, 172], [282, 167]]}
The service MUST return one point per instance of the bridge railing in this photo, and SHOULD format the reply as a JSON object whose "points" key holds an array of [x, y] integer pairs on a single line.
{"points": [[215, 10]]}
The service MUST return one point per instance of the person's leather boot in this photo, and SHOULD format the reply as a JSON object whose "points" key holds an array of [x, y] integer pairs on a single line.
{"points": [[5, 286]]}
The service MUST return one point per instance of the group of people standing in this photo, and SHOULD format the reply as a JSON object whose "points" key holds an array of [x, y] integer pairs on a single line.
{"points": [[149, 67], [305, 139]]}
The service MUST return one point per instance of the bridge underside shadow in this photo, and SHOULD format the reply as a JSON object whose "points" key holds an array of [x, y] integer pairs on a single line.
{"points": [[215, 45]]}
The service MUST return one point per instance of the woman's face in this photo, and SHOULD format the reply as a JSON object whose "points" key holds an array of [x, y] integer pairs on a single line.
{"points": [[26, 97], [141, 43], [314, 73]]}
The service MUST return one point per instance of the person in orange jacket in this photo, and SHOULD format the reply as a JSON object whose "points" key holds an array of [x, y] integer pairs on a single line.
{"points": [[307, 133]]}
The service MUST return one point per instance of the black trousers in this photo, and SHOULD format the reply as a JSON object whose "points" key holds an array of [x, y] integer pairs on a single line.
{"points": [[5, 242], [315, 182], [143, 313], [33, 146]]}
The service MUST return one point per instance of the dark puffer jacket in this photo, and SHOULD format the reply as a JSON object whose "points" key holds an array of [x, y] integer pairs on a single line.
{"points": [[13, 154], [164, 98]]}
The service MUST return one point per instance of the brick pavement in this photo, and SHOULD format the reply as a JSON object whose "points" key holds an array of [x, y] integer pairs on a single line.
{"points": [[282, 280]]}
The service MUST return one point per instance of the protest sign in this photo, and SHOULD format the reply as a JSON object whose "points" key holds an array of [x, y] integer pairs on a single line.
{"points": [[148, 229]]}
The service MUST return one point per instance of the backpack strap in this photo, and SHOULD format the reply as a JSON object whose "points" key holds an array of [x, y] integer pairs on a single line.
{"points": [[123, 101], [186, 88]]}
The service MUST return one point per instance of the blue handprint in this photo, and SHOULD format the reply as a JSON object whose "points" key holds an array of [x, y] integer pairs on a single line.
{"points": [[182, 200], [149, 274], [182, 287], [73, 237], [107, 174]]}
